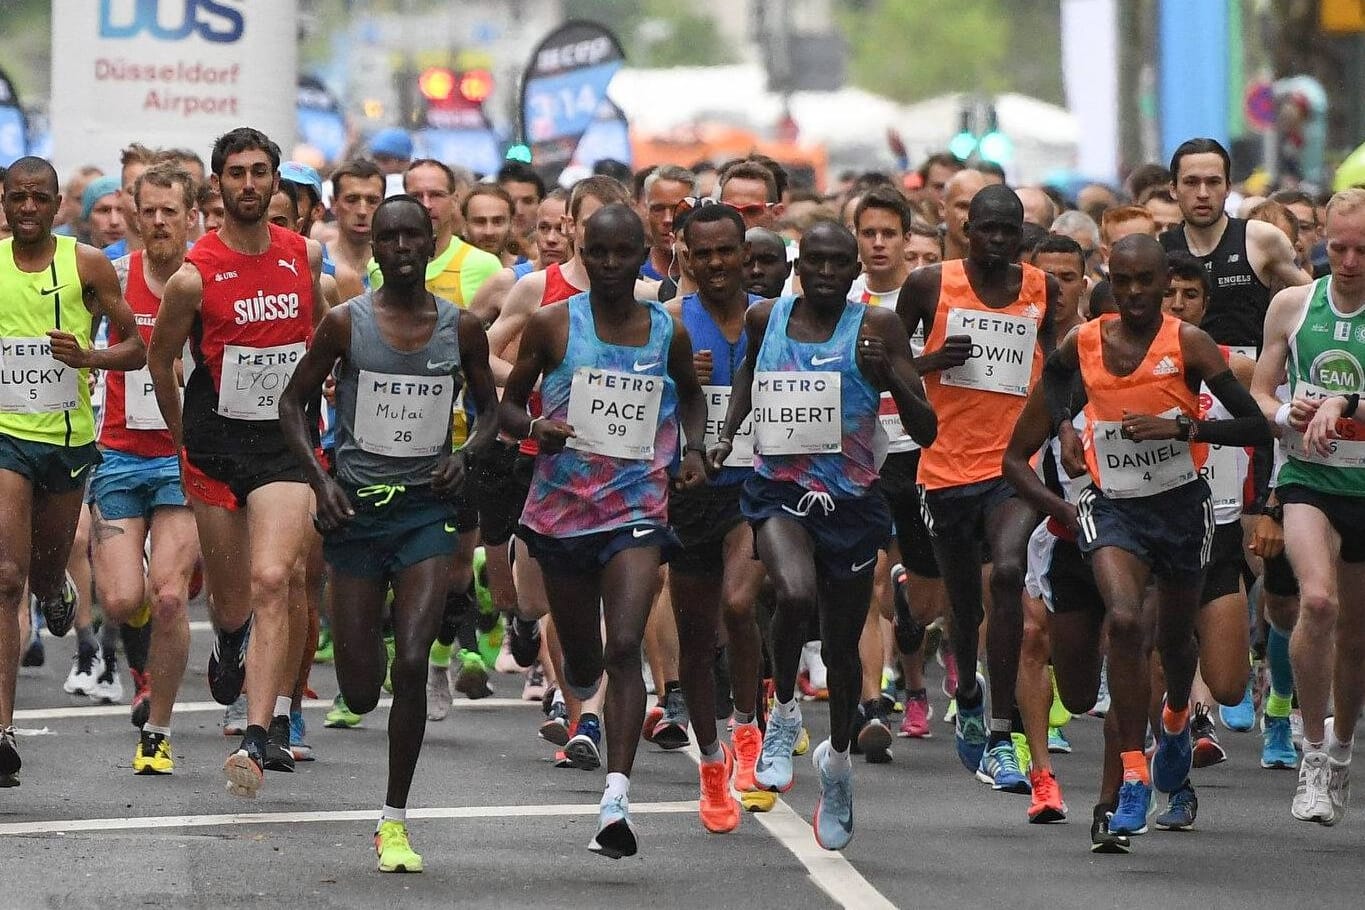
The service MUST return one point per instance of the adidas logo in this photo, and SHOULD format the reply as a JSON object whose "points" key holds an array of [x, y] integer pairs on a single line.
{"points": [[1031, 312], [1165, 367]]}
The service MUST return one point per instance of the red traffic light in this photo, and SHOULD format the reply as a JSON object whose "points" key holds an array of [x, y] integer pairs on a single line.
{"points": [[436, 83], [476, 85]]}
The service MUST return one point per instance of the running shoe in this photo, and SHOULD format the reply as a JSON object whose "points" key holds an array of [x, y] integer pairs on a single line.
{"points": [[108, 688], [60, 612], [297, 731], [1173, 758], [893, 693], [1182, 808], [653, 714], [86, 667], [472, 678], [1057, 743], [671, 731], [1241, 717], [35, 655], [1312, 803], [153, 755], [950, 712], [244, 769], [773, 770], [523, 638], [438, 692], [814, 662], [142, 697], [1057, 714], [950, 679], [534, 687], [227, 665], [1047, 804], [505, 662], [393, 849], [325, 652], [1102, 699], [1338, 788], [555, 729], [1000, 768], [1296, 728], [809, 691], [1277, 748], [584, 747], [718, 809], [802, 743], [748, 745], [234, 718], [1207, 750], [562, 760], [909, 634], [615, 836], [1023, 754], [277, 755], [1101, 839], [874, 737], [971, 734], [918, 713], [833, 822], [9, 758], [1135, 803]]}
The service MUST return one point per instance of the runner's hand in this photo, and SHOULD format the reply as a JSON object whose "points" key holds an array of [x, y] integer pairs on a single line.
{"points": [[68, 350], [956, 350], [334, 508], [715, 459], [1301, 411], [1147, 428], [692, 474], [450, 474], [1267, 537], [1066, 517], [551, 435], [1321, 428], [1073, 451], [872, 359], [702, 363]]}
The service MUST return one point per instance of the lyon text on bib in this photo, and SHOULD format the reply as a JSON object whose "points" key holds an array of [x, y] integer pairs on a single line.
{"points": [[403, 416], [1129, 469], [1002, 351], [614, 414], [31, 381], [742, 446], [254, 378], [797, 413]]}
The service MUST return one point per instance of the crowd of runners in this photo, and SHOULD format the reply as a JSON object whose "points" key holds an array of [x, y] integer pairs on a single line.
{"points": [[694, 449]]}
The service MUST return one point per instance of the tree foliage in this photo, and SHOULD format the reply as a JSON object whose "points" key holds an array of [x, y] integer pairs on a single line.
{"points": [[657, 33]]}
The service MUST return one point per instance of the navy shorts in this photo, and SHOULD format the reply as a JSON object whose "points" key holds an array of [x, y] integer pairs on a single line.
{"points": [[499, 480], [1172, 532], [50, 468], [897, 484], [393, 528], [1223, 574], [847, 533], [588, 554], [135, 486], [702, 519]]}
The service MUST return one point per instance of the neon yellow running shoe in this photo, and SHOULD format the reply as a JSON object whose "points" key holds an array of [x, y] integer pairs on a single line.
{"points": [[153, 755], [142, 616], [1022, 753], [1057, 714], [802, 743], [395, 853], [341, 716], [326, 650]]}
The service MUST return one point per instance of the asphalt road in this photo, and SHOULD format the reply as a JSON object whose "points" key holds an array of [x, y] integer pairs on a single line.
{"points": [[498, 826]]}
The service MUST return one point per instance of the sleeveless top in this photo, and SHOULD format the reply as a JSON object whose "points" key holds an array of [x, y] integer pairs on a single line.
{"points": [[557, 288], [130, 421], [1238, 300], [1226, 467], [726, 358]]}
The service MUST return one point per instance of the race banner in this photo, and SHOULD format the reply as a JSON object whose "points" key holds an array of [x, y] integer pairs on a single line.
{"points": [[168, 73], [563, 89], [13, 124], [608, 136], [322, 122]]}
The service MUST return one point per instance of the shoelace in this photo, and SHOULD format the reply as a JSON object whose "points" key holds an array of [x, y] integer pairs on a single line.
{"points": [[1132, 799], [809, 501], [781, 737], [747, 747], [85, 662], [715, 781], [1005, 756], [1182, 800], [386, 490]]}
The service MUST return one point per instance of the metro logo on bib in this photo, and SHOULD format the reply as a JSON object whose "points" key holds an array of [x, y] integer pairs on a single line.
{"points": [[1129, 468], [1002, 351], [742, 446], [32, 381], [403, 416], [797, 413], [253, 379], [614, 414], [140, 411]]}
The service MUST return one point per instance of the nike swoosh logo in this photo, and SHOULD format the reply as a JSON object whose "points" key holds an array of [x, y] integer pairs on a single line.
{"points": [[79, 471], [449, 529], [821, 361], [859, 566], [443, 365], [637, 533], [645, 366], [48, 292]]}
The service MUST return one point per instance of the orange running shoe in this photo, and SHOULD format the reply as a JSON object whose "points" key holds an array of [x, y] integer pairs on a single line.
{"points": [[653, 715], [718, 809], [748, 740], [1047, 805]]}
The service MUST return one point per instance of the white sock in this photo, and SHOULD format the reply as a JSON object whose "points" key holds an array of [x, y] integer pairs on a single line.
{"points": [[1337, 750], [788, 711], [283, 704], [617, 785], [711, 754], [836, 762], [392, 814], [153, 728]]}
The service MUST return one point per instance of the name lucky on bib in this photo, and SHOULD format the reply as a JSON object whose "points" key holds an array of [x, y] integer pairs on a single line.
{"points": [[1001, 358], [614, 414], [32, 381], [797, 413]]}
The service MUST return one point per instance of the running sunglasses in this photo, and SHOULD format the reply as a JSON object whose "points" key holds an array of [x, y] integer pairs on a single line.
{"points": [[689, 203]]}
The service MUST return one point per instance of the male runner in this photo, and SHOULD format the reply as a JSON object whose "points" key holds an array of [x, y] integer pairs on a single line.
{"points": [[249, 295], [553, 246], [136, 491], [618, 383], [752, 188], [922, 246], [988, 324], [357, 190], [766, 266], [51, 287], [812, 375], [399, 353], [133, 162], [1317, 334], [957, 200], [101, 220], [527, 189], [487, 214], [664, 189]]}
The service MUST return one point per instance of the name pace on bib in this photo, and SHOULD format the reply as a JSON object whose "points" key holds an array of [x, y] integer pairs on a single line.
{"points": [[253, 379], [614, 414], [1002, 351], [403, 416], [32, 381], [798, 413]]}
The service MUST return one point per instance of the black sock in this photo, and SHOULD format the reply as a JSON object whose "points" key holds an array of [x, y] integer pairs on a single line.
{"points": [[137, 643], [257, 734], [970, 700]]}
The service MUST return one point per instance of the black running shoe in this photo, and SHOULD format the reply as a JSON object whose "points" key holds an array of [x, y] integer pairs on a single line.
{"points": [[227, 666], [243, 768], [909, 634], [523, 640], [1101, 841], [277, 754], [60, 612], [9, 759]]}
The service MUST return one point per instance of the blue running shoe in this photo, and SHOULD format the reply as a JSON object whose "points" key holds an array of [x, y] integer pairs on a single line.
{"points": [[971, 736], [1173, 759], [1000, 768], [773, 771], [1278, 748], [615, 836], [1057, 743], [297, 731], [584, 748], [834, 812], [1242, 716], [1135, 801], [1181, 810]]}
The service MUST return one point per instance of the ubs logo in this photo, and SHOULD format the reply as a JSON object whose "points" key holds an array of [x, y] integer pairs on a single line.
{"points": [[217, 21]]}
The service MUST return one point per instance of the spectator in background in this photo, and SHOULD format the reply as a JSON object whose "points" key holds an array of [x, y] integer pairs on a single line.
{"points": [[994, 172], [1300, 205], [618, 170], [1282, 217], [391, 149], [1094, 198], [1039, 208], [934, 175], [209, 202], [187, 161], [69, 212], [707, 178]]}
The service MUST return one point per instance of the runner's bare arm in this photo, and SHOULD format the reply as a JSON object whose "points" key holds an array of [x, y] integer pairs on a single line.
{"points": [[330, 342], [320, 302], [1059, 384], [691, 407], [522, 302], [348, 282], [103, 298], [1047, 332], [329, 290], [916, 307], [542, 344], [1031, 433], [884, 355], [481, 390], [489, 298], [179, 306], [1276, 254], [1284, 314], [741, 384]]}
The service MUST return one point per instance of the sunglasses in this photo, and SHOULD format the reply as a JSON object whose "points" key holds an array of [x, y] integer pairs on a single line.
{"points": [[689, 203]]}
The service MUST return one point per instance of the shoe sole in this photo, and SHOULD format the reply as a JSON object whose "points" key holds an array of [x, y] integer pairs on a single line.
{"points": [[300, 755], [149, 771], [584, 755], [401, 867], [1023, 788], [1277, 765], [726, 825], [554, 733], [757, 800], [815, 826], [473, 684], [775, 788], [1209, 755], [1047, 816], [875, 741], [615, 841], [1113, 845], [9, 780], [244, 778], [670, 736], [917, 735]]}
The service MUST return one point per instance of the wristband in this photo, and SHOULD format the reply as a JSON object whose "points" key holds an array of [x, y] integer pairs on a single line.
{"points": [[531, 430], [1352, 403], [1282, 415]]}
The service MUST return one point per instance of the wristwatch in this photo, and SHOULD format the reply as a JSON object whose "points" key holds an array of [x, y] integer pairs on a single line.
{"points": [[1184, 427], [1275, 512]]}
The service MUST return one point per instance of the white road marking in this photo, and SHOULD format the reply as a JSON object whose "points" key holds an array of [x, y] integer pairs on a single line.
{"points": [[204, 707], [829, 870], [74, 825]]}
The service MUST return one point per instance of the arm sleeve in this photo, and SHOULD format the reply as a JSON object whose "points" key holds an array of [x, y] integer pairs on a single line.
{"points": [[1059, 380], [1248, 426]]}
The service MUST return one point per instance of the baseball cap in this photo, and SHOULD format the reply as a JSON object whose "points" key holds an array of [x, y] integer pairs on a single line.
{"points": [[393, 142], [303, 175], [96, 190]]}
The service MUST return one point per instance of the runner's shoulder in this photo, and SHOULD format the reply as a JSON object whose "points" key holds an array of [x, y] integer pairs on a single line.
{"points": [[923, 283]]}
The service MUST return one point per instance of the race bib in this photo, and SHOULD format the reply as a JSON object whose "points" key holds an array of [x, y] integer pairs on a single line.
{"points": [[403, 416], [1002, 351], [889, 416], [717, 405], [139, 401], [1346, 451], [32, 381], [254, 378], [1225, 472], [1130, 469], [615, 414], [797, 413]]}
